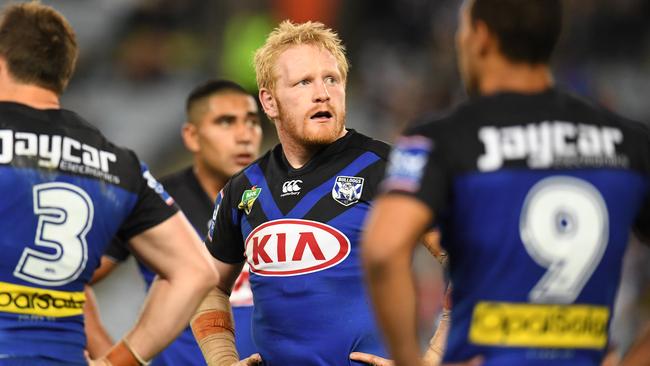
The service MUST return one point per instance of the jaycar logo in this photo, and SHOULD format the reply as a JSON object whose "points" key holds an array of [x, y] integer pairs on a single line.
{"points": [[290, 247]]}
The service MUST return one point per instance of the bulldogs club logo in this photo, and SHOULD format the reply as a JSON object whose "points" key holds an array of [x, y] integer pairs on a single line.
{"points": [[347, 190]]}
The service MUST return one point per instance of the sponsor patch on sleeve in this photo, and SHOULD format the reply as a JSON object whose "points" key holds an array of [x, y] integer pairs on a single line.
{"points": [[248, 199], [155, 185], [406, 164]]}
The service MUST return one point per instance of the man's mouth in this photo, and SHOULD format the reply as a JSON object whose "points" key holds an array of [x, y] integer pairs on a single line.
{"points": [[243, 159], [321, 116]]}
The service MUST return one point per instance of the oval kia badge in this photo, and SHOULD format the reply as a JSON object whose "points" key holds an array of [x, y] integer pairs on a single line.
{"points": [[289, 247]]}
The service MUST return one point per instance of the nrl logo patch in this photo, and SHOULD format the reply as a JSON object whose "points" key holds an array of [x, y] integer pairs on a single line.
{"points": [[347, 190], [248, 198]]}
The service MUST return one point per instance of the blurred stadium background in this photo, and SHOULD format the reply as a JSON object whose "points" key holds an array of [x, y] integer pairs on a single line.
{"points": [[139, 59]]}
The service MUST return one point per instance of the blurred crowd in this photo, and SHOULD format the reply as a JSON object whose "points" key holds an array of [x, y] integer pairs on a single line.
{"points": [[139, 58]]}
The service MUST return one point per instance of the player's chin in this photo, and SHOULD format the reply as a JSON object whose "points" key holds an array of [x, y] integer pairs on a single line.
{"points": [[228, 169], [320, 139], [242, 160], [236, 168], [323, 134]]}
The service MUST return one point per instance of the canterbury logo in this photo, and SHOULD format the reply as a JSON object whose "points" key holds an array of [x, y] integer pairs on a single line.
{"points": [[291, 187]]}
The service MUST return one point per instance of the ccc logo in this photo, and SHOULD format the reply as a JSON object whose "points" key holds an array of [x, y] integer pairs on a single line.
{"points": [[291, 186]]}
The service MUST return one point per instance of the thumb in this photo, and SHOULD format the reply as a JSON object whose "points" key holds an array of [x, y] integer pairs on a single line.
{"points": [[254, 360]]}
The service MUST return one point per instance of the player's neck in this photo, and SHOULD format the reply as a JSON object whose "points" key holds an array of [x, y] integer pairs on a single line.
{"points": [[503, 76], [210, 182], [30, 95], [299, 155]]}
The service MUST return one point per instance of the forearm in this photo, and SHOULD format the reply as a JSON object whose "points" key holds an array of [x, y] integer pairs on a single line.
{"points": [[173, 250], [393, 293], [437, 344], [167, 310], [213, 328]]}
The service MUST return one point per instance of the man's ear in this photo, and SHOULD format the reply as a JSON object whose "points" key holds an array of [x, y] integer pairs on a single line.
{"points": [[486, 42], [190, 137], [269, 103], [4, 69]]}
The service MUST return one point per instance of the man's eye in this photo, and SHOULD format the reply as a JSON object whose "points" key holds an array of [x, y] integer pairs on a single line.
{"points": [[224, 121], [253, 122]]}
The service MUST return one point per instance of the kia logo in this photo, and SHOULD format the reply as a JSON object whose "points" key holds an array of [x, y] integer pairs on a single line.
{"points": [[289, 247]]}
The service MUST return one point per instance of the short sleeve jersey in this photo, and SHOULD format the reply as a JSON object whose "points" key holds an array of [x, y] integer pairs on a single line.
{"points": [[535, 196], [299, 231], [66, 191]]}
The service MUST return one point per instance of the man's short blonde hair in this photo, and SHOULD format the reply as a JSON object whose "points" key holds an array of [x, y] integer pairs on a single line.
{"points": [[289, 34]]}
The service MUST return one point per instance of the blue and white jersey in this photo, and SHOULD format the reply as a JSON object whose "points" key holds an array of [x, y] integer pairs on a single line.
{"points": [[299, 231], [66, 192], [535, 196]]}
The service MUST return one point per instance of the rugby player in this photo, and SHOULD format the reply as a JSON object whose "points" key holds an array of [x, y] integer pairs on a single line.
{"points": [[296, 214], [66, 191], [223, 133], [535, 191]]}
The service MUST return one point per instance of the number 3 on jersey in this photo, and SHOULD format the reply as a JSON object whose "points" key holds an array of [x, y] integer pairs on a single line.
{"points": [[564, 226], [65, 215]]}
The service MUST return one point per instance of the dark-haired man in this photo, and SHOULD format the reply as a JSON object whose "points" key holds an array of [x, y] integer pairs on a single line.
{"points": [[66, 191], [223, 133], [535, 192]]}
